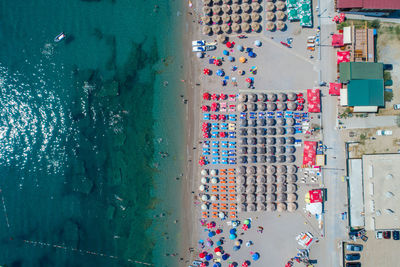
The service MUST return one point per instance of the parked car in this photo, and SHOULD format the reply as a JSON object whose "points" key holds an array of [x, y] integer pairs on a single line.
{"points": [[353, 264], [396, 106], [354, 247], [396, 235], [378, 235], [353, 257], [387, 235]]}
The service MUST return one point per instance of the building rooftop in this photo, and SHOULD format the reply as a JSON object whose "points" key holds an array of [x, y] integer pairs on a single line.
{"points": [[365, 93], [369, 4], [356, 193], [360, 70]]}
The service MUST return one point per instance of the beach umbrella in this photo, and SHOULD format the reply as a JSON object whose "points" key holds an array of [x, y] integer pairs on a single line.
{"points": [[206, 96], [204, 207], [242, 170], [213, 198], [271, 169], [252, 141], [221, 215], [290, 140], [255, 17], [280, 25], [251, 207], [214, 97], [213, 172], [261, 169], [290, 158], [235, 27], [245, 7], [255, 6], [235, 8], [291, 197], [261, 122], [216, 19], [217, 2], [281, 188], [245, 227], [261, 179], [251, 170], [271, 131], [206, 30], [225, 257], [245, 18], [261, 159], [251, 53], [292, 106], [216, 9], [209, 257], [235, 248], [252, 97], [271, 106], [280, 15], [270, 6], [242, 59], [221, 38], [291, 207], [203, 264], [280, 5], [235, 18], [250, 198], [260, 206], [256, 256], [214, 180], [281, 106], [204, 197], [217, 264], [241, 107], [271, 189], [271, 197], [226, 18], [226, 8], [272, 97], [199, 54], [225, 52], [203, 180], [207, 2], [206, 20], [281, 207], [292, 96], [216, 29], [282, 169], [202, 188], [281, 197], [291, 178], [241, 189], [282, 97], [260, 198], [245, 264], [206, 71], [280, 131], [261, 189], [241, 198], [207, 10], [271, 140], [226, 1], [245, 27], [251, 106], [271, 150], [291, 188], [250, 189], [271, 206], [202, 255], [232, 236], [204, 172], [270, 16], [250, 180], [292, 169]]}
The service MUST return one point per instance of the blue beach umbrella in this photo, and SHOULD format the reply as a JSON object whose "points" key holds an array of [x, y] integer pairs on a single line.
{"points": [[199, 54], [211, 234], [209, 257], [226, 52], [257, 43], [239, 47], [248, 49], [217, 264], [256, 256], [230, 58], [220, 72], [232, 236], [251, 54], [225, 257], [236, 248], [232, 231]]}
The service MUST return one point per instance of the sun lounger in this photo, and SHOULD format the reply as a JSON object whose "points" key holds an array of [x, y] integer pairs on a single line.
{"points": [[206, 116], [232, 97]]}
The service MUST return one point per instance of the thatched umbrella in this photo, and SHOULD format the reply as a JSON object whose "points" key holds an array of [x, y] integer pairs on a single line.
{"points": [[261, 97], [261, 179], [217, 2], [245, 7], [291, 178], [251, 180], [206, 20], [252, 97], [281, 178], [280, 15], [216, 29], [271, 131], [216, 10], [260, 206], [282, 169], [226, 18], [250, 198], [292, 96], [290, 140], [271, 207], [250, 189], [270, 6], [245, 17], [235, 1], [291, 197], [255, 6], [206, 30], [241, 189], [226, 2], [282, 97], [270, 16], [270, 26], [251, 106], [255, 26], [271, 140], [271, 188], [292, 169], [281, 106], [280, 25], [235, 8], [271, 197], [235, 18], [251, 170], [241, 198], [291, 188], [207, 2], [207, 10], [280, 5], [242, 97], [271, 106], [271, 169], [235, 27], [216, 19], [242, 170], [241, 207], [245, 27], [281, 197], [251, 207], [271, 179], [226, 28], [226, 8], [292, 106], [292, 207], [280, 131], [272, 97], [290, 158], [221, 38], [241, 179], [260, 189], [281, 188], [255, 17], [281, 207]]}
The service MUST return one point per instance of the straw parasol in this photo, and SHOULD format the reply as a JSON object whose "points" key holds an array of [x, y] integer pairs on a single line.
{"points": [[226, 18], [292, 106], [292, 96], [271, 179], [280, 25], [235, 27], [270, 16], [245, 7], [291, 197], [255, 17], [281, 207], [226, 1], [250, 198], [271, 197], [255, 26], [280, 15], [216, 10], [245, 26], [246, 17], [241, 189], [291, 178], [206, 30], [292, 207], [281, 178], [207, 10], [241, 207], [251, 180], [271, 106], [206, 19], [250, 189], [260, 189], [255, 6], [270, 26], [235, 1], [226, 28], [292, 169], [242, 170], [241, 198], [271, 169], [221, 38], [261, 179], [291, 188], [271, 188], [281, 197], [260, 206], [216, 19], [270, 6], [226, 8], [251, 170], [242, 97], [235, 8], [251, 207], [216, 29], [235, 18], [271, 207], [207, 2], [241, 179], [281, 188], [280, 5]]}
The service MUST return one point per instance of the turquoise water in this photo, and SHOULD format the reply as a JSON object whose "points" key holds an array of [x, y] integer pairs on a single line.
{"points": [[82, 125]]}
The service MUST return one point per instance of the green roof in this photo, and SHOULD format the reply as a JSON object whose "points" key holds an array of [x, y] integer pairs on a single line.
{"points": [[360, 71], [365, 93]]}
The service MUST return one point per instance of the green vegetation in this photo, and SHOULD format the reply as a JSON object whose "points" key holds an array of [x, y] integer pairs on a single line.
{"points": [[387, 75], [376, 24], [388, 96], [363, 137]]}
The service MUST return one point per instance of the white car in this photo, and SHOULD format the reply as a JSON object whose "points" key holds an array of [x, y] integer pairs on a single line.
{"points": [[198, 43], [198, 48]]}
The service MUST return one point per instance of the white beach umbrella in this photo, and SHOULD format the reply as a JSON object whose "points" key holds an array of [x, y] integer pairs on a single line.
{"points": [[202, 188], [205, 197], [204, 180], [204, 207], [214, 180], [281, 207], [221, 215], [204, 172], [213, 198], [292, 207]]}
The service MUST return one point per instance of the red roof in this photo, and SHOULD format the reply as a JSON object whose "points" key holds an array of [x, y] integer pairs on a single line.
{"points": [[309, 153], [343, 56], [315, 196], [334, 88], [369, 4], [314, 100], [337, 40]]}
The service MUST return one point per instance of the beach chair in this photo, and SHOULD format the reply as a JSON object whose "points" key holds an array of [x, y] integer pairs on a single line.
{"points": [[243, 115], [215, 143], [232, 161], [205, 214], [232, 197], [224, 161], [232, 97], [223, 107], [232, 135], [233, 215], [232, 108], [214, 214], [206, 116]]}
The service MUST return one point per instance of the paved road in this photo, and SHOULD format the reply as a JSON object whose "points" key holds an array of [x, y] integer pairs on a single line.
{"points": [[362, 17], [372, 121]]}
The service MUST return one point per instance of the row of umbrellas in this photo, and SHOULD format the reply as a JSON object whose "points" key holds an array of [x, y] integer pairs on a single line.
{"points": [[267, 131], [280, 188], [270, 169], [266, 122], [280, 15], [234, 8], [216, 19], [261, 198], [280, 207], [279, 25], [271, 97], [267, 140], [267, 159], [219, 2], [279, 5], [270, 106], [267, 150], [235, 27], [269, 179]]}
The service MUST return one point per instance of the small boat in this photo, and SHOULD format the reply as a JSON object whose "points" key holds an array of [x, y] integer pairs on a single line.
{"points": [[59, 37]]}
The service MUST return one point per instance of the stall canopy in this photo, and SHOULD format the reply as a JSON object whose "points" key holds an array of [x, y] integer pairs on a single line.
{"points": [[334, 88], [309, 153], [337, 40], [315, 195], [343, 56], [314, 100]]}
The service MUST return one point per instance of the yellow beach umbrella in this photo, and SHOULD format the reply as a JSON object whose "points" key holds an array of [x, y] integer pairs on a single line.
{"points": [[242, 59]]}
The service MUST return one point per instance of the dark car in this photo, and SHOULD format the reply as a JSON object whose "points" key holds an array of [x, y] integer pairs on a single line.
{"points": [[387, 235], [353, 264], [396, 235], [353, 257], [354, 247]]}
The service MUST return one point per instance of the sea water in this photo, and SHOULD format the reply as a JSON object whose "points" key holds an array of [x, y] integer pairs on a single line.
{"points": [[91, 134]]}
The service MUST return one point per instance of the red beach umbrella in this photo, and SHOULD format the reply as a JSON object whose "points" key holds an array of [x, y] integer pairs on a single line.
{"points": [[218, 231], [300, 107], [245, 227], [222, 117], [229, 44], [206, 96], [301, 100], [214, 97], [222, 134], [202, 255], [204, 108], [213, 117], [231, 265], [209, 225], [245, 264], [217, 249], [248, 80], [203, 264], [206, 135], [216, 62], [222, 96], [300, 95], [206, 71]]}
